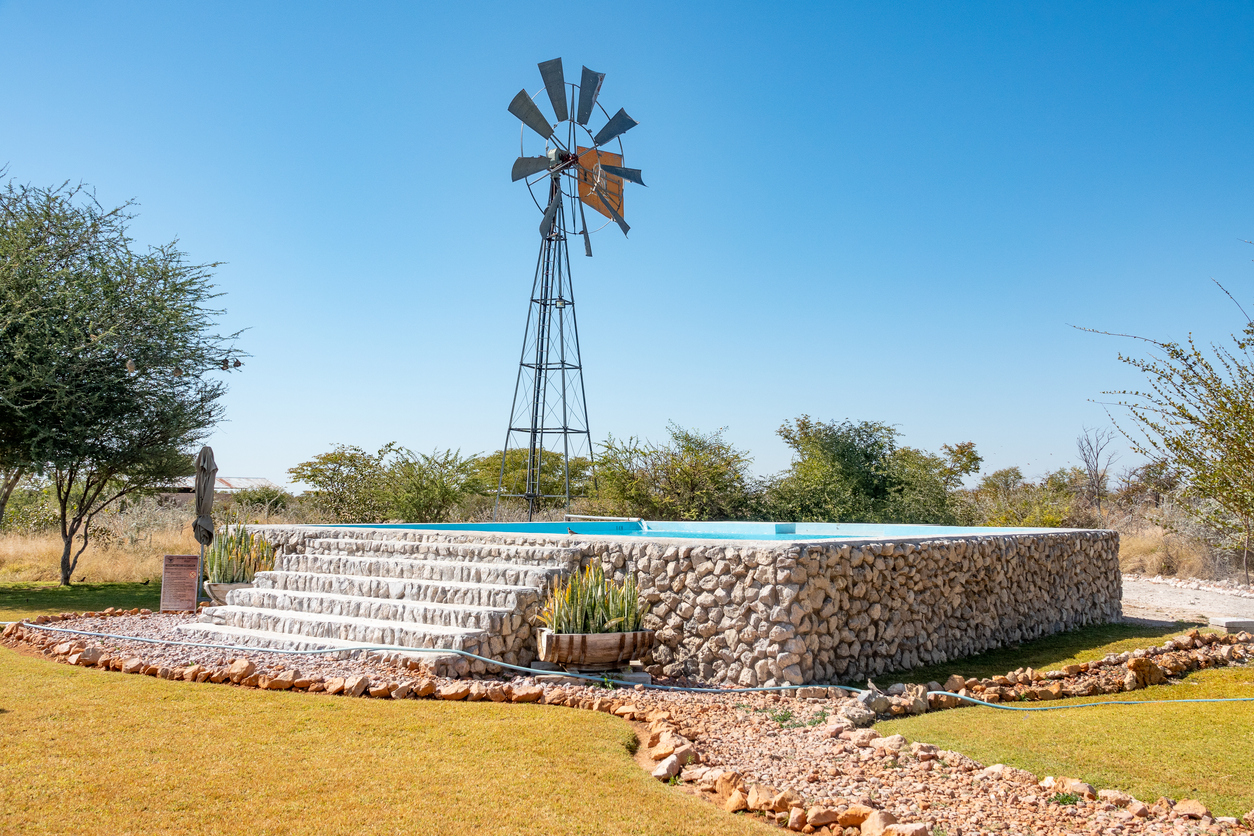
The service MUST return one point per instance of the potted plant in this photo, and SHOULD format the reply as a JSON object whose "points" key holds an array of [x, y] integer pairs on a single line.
{"points": [[234, 559], [593, 623]]}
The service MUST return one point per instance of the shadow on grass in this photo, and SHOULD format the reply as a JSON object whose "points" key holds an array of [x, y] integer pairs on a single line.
{"points": [[23, 600], [1050, 652]]}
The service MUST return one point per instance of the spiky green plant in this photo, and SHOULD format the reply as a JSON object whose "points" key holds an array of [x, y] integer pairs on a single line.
{"points": [[236, 556], [588, 602]]}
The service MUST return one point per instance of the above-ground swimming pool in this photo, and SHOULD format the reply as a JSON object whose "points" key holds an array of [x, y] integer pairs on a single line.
{"points": [[735, 603], [716, 530]]}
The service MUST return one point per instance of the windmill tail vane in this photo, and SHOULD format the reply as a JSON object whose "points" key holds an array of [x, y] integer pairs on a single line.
{"points": [[585, 171]]}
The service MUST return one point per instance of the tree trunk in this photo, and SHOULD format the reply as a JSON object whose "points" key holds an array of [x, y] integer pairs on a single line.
{"points": [[8, 481], [67, 568], [1245, 555], [69, 558]]}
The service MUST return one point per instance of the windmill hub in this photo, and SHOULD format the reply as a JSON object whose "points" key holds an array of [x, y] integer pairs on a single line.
{"points": [[576, 170]]}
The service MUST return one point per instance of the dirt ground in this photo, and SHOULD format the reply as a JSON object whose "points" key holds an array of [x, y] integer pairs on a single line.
{"points": [[1158, 601]]}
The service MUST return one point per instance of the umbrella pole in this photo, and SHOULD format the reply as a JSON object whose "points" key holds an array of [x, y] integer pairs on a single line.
{"points": [[200, 576]]}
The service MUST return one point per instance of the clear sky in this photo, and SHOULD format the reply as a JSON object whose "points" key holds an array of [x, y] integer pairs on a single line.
{"points": [[872, 211]]}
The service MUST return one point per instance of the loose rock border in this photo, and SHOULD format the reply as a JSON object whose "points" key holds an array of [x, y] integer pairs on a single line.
{"points": [[805, 761]]}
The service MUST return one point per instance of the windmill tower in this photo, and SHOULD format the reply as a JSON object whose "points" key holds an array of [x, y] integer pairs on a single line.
{"points": [[549, 417]]}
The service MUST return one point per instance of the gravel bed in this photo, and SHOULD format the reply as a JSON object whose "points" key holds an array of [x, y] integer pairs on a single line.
{"points": [[164, 626]]}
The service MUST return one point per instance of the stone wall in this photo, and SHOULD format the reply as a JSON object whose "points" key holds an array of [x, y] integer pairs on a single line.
{"points": [[768, 613]]}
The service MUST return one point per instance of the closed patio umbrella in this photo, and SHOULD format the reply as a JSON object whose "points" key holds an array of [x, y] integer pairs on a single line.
{"points": [[202, 528]]}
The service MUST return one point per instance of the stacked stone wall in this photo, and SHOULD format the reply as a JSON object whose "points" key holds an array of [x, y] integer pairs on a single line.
{"points": [[765, 613]]}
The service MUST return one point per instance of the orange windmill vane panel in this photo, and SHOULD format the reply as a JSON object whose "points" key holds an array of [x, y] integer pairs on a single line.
{"points": [[590, 174]]}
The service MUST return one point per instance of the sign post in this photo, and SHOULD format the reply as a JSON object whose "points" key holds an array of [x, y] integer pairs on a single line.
{"points": [[180, 582]]}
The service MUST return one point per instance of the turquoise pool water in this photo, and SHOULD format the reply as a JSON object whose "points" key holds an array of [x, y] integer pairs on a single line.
{"points": [[718, 530]]}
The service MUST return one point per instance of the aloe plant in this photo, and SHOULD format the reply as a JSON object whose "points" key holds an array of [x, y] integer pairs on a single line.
{"points": [[236, 556], [588, 602]]}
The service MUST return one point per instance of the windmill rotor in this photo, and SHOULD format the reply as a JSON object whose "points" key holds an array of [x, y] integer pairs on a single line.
{"points": [[590, 174], [584, 170]]}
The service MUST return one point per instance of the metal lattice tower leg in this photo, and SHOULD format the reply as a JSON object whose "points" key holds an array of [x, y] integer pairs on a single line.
{"points": [[550, 411]]}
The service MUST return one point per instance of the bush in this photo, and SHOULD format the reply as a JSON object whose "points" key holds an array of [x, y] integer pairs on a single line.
{"points": [[552, 475], [431, 488], [695, 476], [1006, 498], [855, 472], [264, 500], [348, 483]]}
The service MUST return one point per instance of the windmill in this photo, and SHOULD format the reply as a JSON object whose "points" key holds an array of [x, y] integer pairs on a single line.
{"points": [[578, 171]]}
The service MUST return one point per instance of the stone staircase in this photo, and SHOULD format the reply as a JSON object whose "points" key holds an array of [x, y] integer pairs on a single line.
{"points": [[339, 590]]}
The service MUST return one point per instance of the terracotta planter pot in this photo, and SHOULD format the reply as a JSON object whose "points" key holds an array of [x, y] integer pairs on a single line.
{"points": [[217, 591], [590, 651]]}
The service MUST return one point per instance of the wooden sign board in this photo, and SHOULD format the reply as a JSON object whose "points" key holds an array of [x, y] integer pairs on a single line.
{"points": [[180, 583]]}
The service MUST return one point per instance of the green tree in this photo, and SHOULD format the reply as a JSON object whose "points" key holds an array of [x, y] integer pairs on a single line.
{"points": [[552, 473], [855, 472], [1197, 416], [694, 476], [349, 483], [106, 355], [431, 487], [961, 460]]}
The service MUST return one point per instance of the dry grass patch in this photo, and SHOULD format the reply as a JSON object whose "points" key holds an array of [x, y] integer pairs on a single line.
{"points": [[92, 752], [1153, 551], [1180, 750], [37, 557]]}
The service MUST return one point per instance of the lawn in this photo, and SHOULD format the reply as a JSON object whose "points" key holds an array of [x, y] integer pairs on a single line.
{"points": [[1046, 654], [23, 600], [91, 752], [1180, 750]]}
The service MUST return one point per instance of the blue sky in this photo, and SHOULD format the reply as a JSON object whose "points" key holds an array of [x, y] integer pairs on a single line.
{"points": [[870, 211]]}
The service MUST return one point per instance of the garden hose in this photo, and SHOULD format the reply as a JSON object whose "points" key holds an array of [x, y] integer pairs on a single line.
{"points": [[592, 678]]}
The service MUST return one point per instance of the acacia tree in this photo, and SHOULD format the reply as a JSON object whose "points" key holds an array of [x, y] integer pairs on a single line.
{"points": [[348, 483], [1197, 416], [105, 355]]}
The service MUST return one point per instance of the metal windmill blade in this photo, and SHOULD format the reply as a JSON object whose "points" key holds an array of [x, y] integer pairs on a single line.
{"points": [[589, 89], [632, 174], [620, 123], [526, 166], [555, 86], [525, 109]]}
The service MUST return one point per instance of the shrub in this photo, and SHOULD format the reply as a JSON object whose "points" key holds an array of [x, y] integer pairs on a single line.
{"points": [[348, 482], [424, 488], [264, 500], [695, 476], [855, 472]]}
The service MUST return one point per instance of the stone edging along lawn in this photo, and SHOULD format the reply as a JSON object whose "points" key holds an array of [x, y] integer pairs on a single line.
{"points": [[838, 778]]}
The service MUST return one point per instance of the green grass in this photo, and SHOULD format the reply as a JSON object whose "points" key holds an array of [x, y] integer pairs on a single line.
{"points": [[24, 600], [1049, 653], [91, 752], [1180, 750]]}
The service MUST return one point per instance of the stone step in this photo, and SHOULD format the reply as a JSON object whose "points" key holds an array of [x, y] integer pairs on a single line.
{"points": [[498, 621], [487, 572], [317, 629], [442, 664], [556, 556], [501, 596]]}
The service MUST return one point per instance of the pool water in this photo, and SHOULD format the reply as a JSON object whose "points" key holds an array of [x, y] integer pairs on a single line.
{"points": [[717, 530]]}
